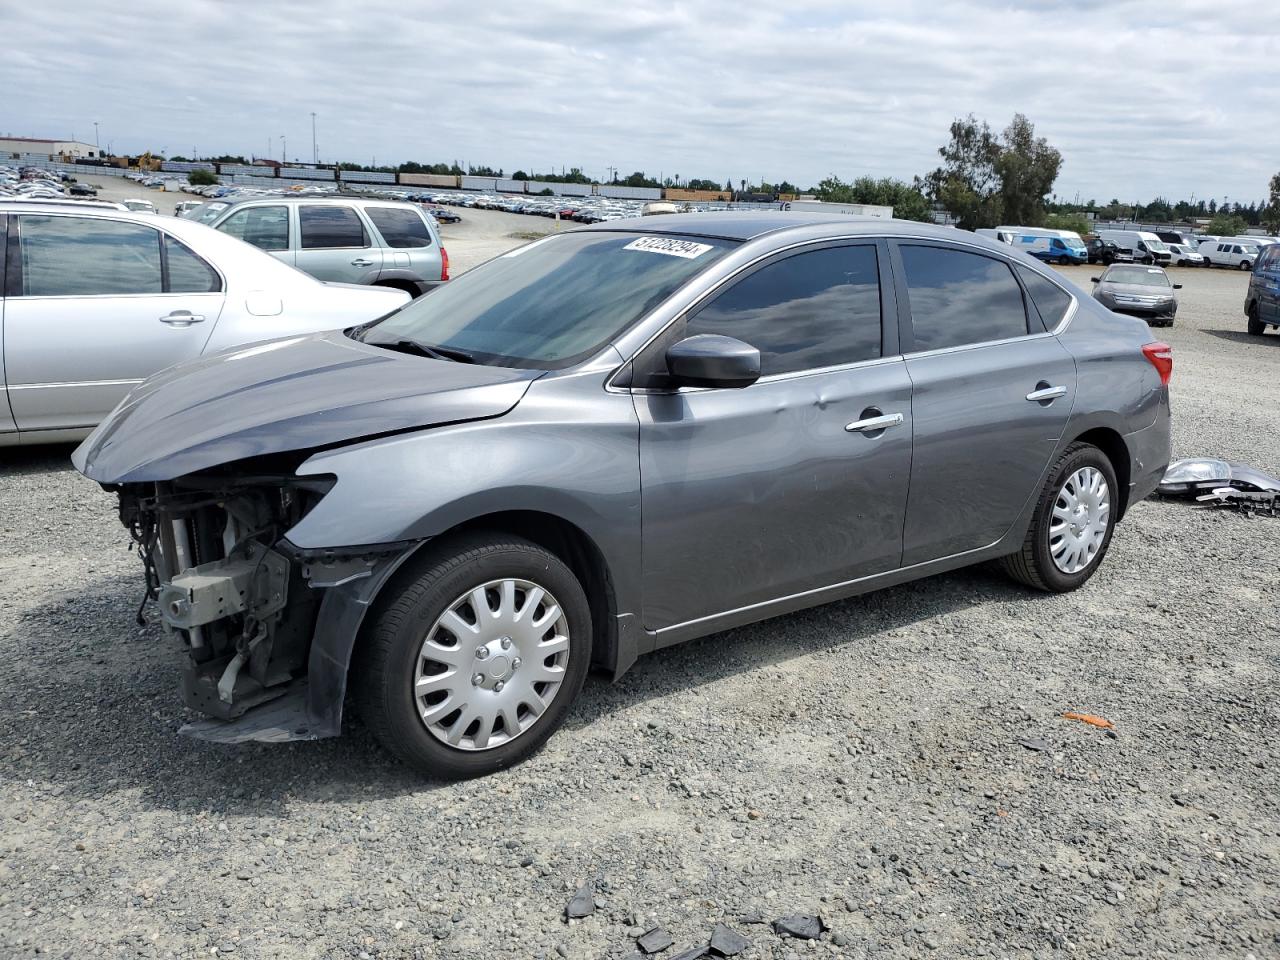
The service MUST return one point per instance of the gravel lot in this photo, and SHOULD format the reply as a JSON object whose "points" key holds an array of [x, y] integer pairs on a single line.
{"points": [[863, 760]]}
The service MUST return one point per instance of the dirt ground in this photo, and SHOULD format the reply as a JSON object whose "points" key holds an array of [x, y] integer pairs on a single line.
{"points": [[897, 763]]}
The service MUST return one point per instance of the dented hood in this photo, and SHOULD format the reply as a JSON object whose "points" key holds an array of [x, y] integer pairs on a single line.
{"points": [[283, 395]]}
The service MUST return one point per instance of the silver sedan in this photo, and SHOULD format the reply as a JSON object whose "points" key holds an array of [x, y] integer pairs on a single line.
{"points": [[95, 300]]}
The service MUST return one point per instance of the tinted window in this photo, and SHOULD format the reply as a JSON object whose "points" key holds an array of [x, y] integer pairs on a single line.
{"points": [[958, 298], [401, 228], [811, 310], [267, 228], [1050, 299], [82, 256], [187, 272], [324, 227], [551, 302]]}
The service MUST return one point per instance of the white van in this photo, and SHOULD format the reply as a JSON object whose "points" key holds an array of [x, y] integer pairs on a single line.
{"points": [[1147, 247], [1229, 252], [1052, 246]]}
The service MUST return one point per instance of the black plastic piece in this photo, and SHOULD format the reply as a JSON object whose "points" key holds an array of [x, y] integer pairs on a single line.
{"points": [[582, 905], [654, 940]]}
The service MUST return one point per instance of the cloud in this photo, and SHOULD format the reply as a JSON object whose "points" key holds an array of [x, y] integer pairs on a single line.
{"points": [[1142, 101]]}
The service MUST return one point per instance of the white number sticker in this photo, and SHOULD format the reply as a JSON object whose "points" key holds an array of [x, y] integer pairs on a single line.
{"points": [[670, 246]]}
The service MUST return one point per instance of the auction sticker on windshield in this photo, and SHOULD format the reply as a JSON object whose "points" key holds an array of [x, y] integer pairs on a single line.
{"points": [[670, 246]]}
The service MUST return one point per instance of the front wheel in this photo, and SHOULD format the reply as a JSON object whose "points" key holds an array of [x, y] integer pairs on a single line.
{"points": [[476, 656], [1245, 265], [1072, 524]]}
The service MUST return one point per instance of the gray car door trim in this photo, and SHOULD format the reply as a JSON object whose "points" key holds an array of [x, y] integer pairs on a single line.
{"points": [[888, 307]]}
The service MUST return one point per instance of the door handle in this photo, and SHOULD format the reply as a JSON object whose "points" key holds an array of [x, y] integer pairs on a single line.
{"points": [[182, 318], [361, 262], [1046, 393], [874, 424]]}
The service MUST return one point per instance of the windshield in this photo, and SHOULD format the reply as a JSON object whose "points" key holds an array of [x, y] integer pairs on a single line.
{"points": [[550, 303], [1073, 243], [1155, 245], [1143, 276], [208, 212]]}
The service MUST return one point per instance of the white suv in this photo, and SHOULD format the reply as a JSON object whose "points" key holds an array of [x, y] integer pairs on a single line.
{"points": [[1229, 253]]}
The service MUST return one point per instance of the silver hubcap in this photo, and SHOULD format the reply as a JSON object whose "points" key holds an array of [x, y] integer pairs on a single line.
{"points": [[1080, 517], [492, 664]]}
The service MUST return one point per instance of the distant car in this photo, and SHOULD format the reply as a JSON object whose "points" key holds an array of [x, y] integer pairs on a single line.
{"points": [[1185, 256], [1108, 252], [384, 243], [617, 439], [138, 205], [82, 190], [444, 214], [1143, 292], [97, 299], [1229, 253], [184, 207], [1262, 302]]}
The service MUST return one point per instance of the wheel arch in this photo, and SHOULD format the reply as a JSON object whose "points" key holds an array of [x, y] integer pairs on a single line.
{"points": [[1112, 444]]}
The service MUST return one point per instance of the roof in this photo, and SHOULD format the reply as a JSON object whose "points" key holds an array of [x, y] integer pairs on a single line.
{"points": [[747, 225]]}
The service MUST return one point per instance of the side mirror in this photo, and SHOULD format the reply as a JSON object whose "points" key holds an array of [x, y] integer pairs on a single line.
{"points": [[1177, 286], [712, 360], [1094, 280]]}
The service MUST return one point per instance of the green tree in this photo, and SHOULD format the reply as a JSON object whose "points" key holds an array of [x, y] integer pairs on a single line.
{"points": [[1227, 225], [202, 178], [1271, 212], [1067, 221], [967, 184], [520, 175], [696, 184], [907, 201], [1027, 167]]}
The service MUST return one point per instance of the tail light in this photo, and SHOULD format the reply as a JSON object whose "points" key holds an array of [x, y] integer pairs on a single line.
{"points": [[1161, 357], [444, 263]]}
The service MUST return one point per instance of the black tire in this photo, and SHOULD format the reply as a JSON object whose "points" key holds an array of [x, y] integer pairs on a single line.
{"points": [[1245, 265], [390, 647], [1064, 261], [1034, 565], [1256, 327]]}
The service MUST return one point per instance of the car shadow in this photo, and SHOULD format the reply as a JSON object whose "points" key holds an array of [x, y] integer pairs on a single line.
{"points": [[38, 458], [1242, 336], [93, 706]]}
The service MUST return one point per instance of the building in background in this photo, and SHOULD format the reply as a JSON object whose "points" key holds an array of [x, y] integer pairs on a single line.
{"points": [[64, 148]]}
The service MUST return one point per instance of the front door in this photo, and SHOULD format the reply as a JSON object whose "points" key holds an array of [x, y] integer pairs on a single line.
{"points": [[992, 391], [101, 305], [1266, 281], [754, 494]]}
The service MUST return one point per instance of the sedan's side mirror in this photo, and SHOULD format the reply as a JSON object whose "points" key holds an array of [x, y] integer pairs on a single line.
{"points": [[1094, 280], [712, 360], [1177, 286]]}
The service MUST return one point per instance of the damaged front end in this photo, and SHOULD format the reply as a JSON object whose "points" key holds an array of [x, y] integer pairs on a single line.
{"points": [[267, 628]]}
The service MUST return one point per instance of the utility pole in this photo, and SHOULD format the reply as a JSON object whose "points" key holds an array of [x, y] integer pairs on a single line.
{"points": [[96, 145], [283, 150], [315, 156]]}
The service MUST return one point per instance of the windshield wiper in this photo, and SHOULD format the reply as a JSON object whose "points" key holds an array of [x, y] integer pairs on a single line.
{"points": [[426, 350]]}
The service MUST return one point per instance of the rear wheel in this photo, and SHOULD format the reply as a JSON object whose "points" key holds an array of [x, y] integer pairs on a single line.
{"points": [[1072, 525], [1245, 265], [1256, 327], [476, 658]]}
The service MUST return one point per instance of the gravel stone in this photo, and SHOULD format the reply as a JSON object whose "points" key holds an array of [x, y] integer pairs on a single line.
{"points": [[914, 697]]}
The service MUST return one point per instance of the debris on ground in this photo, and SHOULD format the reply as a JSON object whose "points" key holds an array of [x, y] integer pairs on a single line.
{"points": [[727, 942], [583, 903], [654, 939], [1039, 744], [1197, 475], [802, 926], [693, 953], [1089, 718]]}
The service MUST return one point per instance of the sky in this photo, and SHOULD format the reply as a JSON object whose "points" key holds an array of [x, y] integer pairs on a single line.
{"points": [[1142, 99]]}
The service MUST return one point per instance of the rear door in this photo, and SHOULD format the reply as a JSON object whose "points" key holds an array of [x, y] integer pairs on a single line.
{"points": [[7, 426], [408, 241], [335, 245], [1266, 282], [991, 393], [95, 306]]}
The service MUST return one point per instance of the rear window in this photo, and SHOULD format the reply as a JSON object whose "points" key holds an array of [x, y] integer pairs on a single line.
{"points": [[1050, 299], [553, 302], [960, 298], [87, 256], [400, 228]]}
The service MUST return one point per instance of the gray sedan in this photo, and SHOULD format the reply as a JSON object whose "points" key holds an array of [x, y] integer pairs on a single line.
{"points": [[609, 441], [1138, 291]]}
